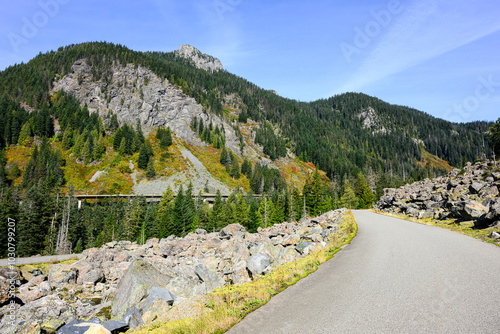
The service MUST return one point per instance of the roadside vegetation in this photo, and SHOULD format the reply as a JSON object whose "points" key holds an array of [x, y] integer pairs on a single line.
{"points": [[226, 306], [466, 228]]}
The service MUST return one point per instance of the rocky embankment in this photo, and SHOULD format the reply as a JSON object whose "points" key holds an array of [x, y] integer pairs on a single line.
{"points": [[123, 284], [470, 194]]}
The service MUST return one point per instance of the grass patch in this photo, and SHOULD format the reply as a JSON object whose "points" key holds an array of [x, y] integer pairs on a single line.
{"points": [[44, 267], [434, 161], [231, 304], [466, 228]]}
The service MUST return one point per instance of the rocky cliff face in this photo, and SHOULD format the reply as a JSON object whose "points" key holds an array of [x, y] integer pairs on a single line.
{"points": [[124, 278], [471, 194], [134, 93], [200, 60]]}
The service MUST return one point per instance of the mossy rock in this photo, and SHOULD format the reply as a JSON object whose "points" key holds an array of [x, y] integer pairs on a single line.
{"points": [[51, 325]]}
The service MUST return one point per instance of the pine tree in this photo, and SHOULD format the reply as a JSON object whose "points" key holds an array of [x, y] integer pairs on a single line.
{"points": [[235, 169], [349, 199], [224, 156], [67, 141], [217, 214], [178, 213], [31, 223], [189, 210], [242, 214], [494, 135], [164, 215], [25, 134], [78, 147], [87, 151], [246, 168], [143, 159], [363, 192], [134, 216], [150, 172]]}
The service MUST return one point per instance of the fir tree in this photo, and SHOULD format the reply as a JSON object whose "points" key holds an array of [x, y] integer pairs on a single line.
{"points": [[235, 169], [178, 213], [150, 172], [164, 215], [67, 141], [143, 159], [246, 168], [349, 199], [216, 217], [363, 192]]}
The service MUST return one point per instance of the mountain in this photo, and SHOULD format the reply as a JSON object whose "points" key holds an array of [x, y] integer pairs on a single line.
{"points": [[99, 118], [342, 135]]}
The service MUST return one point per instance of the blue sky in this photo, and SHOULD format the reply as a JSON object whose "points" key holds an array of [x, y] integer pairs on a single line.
{"points": [[438, 56]]}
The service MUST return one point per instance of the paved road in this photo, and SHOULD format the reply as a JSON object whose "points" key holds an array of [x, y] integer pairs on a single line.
{"points": [[40, 259], [395, 277]]}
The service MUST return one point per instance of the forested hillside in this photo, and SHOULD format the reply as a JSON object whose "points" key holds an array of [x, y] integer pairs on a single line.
{"points": [[358, 143]]}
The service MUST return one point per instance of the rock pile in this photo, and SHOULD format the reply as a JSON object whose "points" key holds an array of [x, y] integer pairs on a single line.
{"points": [[122, 284], [470, 194]]}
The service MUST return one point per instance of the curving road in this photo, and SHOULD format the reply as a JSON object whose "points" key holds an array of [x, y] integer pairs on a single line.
{"points": [[395, 277]]}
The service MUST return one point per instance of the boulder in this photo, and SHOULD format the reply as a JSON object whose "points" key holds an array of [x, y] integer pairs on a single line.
{"points": [[200, 231], [79, 326], [290, 240], [156, 310], [155, 294], [92, 277], [240, 273], [134, 287], [232, 230], [301, 246], [9, 277], [257, 264], [211, 278], [476, 187], [61, 274], [288, 254], [494, 235], [133, 318], [473, 210], [83, 267]]}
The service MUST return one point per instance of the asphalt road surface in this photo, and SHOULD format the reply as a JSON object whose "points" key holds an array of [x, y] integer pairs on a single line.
{"points": [[39, 259], [395, 277]]}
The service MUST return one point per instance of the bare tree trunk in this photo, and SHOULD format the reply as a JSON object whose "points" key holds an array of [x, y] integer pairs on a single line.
{"points": [[63, 243]]}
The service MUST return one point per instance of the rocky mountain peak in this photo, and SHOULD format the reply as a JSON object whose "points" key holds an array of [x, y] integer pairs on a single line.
{"points": [[200, 60]]}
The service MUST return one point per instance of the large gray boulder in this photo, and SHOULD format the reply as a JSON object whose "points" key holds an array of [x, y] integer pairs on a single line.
{"points": [[135, 286], [257, 264], [61, 274], [473, 210], [155, 294], [233, 230], [211, 278]]}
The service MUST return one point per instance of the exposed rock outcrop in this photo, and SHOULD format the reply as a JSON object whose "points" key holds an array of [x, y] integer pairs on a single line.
{"points": [[134, 93], [468, 195], [200, 60]]}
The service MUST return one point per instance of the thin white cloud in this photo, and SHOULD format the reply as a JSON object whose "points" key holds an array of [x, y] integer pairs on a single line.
{"points": [[425, 30]]}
